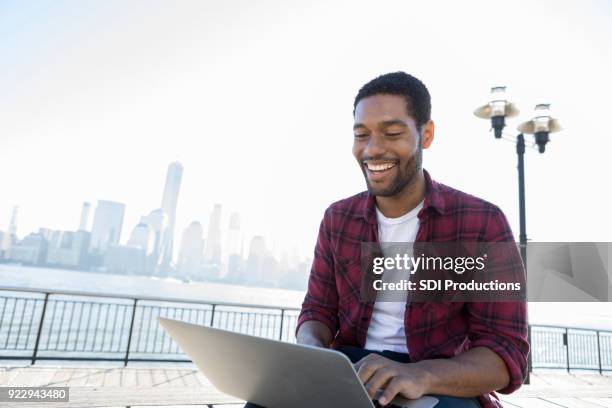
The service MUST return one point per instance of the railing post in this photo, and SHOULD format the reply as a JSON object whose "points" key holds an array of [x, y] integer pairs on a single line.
{"points": [[529, 363], [599, 352], [127, 351], [40, 326], [566, 342], [212, 316], [280, 336]]}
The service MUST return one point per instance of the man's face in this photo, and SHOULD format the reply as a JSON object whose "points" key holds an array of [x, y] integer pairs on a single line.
{"points": [[387, 144]]}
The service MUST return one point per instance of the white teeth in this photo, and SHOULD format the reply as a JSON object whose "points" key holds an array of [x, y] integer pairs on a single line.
{"points": [[380, 167]]}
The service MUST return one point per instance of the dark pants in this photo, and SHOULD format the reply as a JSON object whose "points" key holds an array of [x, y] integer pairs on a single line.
{"points": [[355, 354]]}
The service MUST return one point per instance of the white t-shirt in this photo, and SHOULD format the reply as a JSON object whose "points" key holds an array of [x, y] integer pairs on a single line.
{"points": [[386, 330]]}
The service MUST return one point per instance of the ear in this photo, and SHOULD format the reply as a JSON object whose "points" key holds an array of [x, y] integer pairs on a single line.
{"points": [[427, 134]]}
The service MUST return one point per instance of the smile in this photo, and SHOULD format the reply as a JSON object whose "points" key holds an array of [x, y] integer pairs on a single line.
{"points": [[378, 171], [379, 167]]}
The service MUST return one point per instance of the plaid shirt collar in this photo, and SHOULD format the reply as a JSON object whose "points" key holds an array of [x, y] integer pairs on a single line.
{"points": [[434, 198]]}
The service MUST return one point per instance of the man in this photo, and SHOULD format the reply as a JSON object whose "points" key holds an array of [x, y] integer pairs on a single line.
{"points": [[456, 351], [460, 352]]}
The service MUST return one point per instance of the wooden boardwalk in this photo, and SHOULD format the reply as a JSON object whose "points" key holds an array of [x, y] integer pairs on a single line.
{"points": [[185, 387]]}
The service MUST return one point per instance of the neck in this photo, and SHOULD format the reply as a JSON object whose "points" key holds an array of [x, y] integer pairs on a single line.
{"points": [[405, 201]]}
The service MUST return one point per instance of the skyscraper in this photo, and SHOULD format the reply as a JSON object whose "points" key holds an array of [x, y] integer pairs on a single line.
{"points": [[233, 258], [142, 237], [32, 250], [84, 216], [213, 240], [67, 249], [11, 234], [158, 221], [107, 224], [254, 265], [233, 235], [169, 203], [192, 251], [12, 230]]}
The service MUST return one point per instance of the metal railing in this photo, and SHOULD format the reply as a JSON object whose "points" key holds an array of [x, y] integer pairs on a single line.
{"points": [[67, 325], [571, 348]]}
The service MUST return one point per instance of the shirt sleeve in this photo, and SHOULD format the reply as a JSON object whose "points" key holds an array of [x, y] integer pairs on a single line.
{"points": [[502, 326], [321, 301]]}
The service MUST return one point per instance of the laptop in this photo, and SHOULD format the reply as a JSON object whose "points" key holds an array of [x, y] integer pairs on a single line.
{"points": [[275, 374]]}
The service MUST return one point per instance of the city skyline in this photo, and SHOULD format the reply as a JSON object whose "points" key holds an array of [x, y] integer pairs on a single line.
{"points": [[170, 194], [119, 237], [148, 247]]}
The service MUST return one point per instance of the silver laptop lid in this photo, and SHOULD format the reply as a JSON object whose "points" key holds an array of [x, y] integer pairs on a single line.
{"points": [[271, 373]]}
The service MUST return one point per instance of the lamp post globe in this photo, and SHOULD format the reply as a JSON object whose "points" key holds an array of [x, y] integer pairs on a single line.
{"points": [[497, 110], [541, 126]]}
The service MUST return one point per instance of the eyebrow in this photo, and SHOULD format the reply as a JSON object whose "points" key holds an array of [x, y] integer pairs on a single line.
{"points": [[393, 122], [383, 124]]}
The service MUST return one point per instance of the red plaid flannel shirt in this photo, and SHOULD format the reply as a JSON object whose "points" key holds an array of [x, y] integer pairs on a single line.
{"points": [[433, 330]]}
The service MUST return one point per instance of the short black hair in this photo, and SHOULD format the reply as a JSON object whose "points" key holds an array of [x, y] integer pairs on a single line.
{"points": [[418, 100]]}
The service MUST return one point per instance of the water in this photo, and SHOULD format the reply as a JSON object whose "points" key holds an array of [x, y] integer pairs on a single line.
{"points": [[586, 315], [138, 286]]}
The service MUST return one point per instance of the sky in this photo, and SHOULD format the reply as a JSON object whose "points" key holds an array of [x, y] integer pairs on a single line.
{"points": [[255, 100]]}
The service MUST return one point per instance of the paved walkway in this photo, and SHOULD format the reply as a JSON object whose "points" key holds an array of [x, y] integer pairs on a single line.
{"points": [[185, 386]]}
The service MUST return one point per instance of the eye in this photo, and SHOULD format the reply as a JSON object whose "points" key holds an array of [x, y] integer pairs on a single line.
{"points": [[361, 135], [395, 134]]}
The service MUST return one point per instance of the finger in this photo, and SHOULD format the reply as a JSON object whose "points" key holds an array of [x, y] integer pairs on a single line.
{"points": [[365, 359], [366, 371], [378, 380], [367, 366], [393, 388]]}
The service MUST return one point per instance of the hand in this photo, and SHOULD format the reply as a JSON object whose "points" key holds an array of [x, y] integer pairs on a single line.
{"points": [[377, 372]]}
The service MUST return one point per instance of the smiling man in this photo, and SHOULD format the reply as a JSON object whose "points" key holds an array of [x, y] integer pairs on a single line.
{"points": [[460, 352]]}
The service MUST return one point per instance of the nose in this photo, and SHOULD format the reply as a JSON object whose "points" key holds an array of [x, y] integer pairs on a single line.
{"points": [[375, 146]]}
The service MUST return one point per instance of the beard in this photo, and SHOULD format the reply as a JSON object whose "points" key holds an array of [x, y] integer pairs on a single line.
{"points": [[406, 174]]}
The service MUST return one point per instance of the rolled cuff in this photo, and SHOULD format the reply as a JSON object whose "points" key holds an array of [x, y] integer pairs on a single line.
{"points": [[320, 316], [515, 360]]}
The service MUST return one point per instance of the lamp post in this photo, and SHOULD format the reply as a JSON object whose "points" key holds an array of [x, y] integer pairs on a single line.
{"points": [[541, 125]]}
